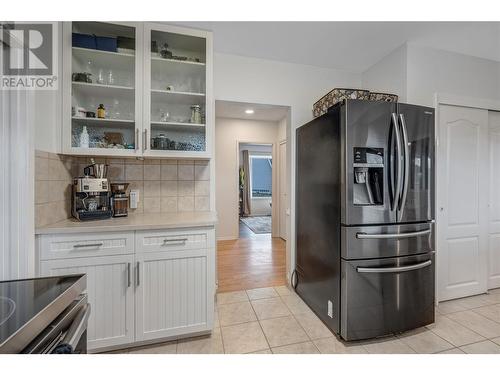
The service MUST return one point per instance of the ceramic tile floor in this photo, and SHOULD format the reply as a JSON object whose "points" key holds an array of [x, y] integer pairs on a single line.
{"points": [[276, 321]]}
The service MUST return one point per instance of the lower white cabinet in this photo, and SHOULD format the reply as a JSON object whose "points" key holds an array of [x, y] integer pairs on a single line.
{"points": [[172, 295], [144, 294], [110, 294]]}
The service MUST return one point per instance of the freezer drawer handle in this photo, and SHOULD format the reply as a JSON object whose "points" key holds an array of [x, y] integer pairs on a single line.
{"points": [[394, 269], [393, 235]]}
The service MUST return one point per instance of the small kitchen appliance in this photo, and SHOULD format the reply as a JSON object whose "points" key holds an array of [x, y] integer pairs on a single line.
{"points": [[91, 198], [119, 199]]}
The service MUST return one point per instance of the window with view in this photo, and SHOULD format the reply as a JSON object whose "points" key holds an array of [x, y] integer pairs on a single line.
{"points": [[261, 176]]}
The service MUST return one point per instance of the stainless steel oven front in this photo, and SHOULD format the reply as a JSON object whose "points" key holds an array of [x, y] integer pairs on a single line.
{"points": [[67, 334]]}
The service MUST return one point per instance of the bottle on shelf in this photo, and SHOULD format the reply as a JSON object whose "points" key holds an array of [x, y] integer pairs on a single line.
{"points": [[100, 77], [84, 138], [111, 78], [101, 111], [195, 114]]}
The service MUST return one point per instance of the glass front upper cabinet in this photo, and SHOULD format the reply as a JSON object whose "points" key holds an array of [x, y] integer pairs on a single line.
{"points": [[104, 86], [175, 109]]}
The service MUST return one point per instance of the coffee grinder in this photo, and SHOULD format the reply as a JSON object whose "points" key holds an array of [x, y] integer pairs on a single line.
{"points": [[119, 199]]}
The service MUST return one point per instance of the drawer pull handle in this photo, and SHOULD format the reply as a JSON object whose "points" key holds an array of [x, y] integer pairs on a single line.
{"points": [[80, 245], [393, 235], [394, 269], [174, 241]]}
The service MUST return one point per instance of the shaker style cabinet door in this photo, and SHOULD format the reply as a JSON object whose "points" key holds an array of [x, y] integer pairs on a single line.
{"points": [[174, 293], [178, 103], [102, 88], [110, 291]]}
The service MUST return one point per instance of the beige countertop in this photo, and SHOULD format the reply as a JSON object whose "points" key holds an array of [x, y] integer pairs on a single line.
{"points": [[132, 222]]}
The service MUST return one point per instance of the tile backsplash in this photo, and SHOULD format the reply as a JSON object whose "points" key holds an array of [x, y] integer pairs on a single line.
{"points": [[164, 185], [53, 175]]}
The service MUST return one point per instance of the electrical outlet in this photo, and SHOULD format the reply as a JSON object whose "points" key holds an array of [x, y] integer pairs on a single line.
{"points": [[330, 309], [134, 198]]}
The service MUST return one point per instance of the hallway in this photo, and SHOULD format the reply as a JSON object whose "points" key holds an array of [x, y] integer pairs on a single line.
{"points": [[252, 261]]}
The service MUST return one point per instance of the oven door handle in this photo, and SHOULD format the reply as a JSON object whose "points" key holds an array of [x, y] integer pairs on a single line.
{"points": [[413, 267], [78, 327], [363, 236]]}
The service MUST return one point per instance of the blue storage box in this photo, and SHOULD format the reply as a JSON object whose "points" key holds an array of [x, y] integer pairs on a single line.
{"points": [[84, 40], [105, 43]]}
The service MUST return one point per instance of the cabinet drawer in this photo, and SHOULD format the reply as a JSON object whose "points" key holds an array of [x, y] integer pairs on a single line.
{"points": [[148, 241], [86, 245]]}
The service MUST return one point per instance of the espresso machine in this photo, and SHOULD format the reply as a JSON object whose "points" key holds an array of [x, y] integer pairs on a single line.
{"points": [[91, 194]]}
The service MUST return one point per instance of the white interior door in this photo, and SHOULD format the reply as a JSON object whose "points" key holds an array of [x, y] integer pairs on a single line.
{"points": [[462, 202], [494, 201], [282, 191]]}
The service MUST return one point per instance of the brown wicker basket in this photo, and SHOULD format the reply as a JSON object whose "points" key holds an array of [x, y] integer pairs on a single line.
{"points": [[383, 97], [337, 95]]}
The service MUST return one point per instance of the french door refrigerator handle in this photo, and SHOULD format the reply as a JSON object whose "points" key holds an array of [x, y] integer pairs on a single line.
{"points": [[406, 166], [128, 275], [397, 190], [361, 235], [138, 275], [394, 269]]}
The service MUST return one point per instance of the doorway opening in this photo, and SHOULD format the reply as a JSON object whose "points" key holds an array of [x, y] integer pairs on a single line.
{"points": [[255, 200], [251, 195]]}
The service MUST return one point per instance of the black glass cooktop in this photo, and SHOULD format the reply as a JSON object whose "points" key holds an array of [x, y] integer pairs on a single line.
{"points": [[21, 300]]}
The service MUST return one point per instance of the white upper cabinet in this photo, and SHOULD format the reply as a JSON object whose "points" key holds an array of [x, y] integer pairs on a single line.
{"points": [[177, 85], [154, 82]]}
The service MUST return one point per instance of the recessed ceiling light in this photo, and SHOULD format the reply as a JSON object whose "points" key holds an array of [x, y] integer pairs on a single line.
{"points": [[249, 111]]}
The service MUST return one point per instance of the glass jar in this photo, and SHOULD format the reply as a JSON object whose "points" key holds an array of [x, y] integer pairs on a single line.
{"points": [[196, 114]]}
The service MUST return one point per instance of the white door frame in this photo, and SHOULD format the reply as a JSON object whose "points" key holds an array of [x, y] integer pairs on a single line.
{"points": [[282, 164], [460, 101]]}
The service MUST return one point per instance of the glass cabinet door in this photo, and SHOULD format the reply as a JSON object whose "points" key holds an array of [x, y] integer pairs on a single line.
{"points": [[175, 103], [104, 86]]}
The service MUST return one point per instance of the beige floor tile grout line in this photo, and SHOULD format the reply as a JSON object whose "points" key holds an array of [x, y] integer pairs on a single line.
{"points": [[258, 320]]}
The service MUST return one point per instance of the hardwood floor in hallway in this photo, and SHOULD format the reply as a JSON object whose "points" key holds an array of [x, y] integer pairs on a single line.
{"points": [[252, 261]]}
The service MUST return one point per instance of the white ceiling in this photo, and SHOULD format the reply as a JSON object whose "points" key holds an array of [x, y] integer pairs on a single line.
{"points": [[262, 112], [352, 46]]}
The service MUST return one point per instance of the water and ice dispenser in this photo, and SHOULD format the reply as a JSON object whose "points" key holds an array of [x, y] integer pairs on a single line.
{"points": [[368, 171]]}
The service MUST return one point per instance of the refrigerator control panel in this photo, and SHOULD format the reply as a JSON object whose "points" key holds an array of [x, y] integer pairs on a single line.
{"points": [[365, 155]]}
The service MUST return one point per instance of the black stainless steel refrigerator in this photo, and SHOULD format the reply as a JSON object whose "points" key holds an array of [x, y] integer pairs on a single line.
{"points": [[364, 217]]}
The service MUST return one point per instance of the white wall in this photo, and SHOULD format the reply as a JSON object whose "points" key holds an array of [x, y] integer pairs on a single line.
{"points": [[251, 80], [433, 71], [389, 74], [228, 132], [259, 206], [17, 193], [416, 73], [282, 129]]}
